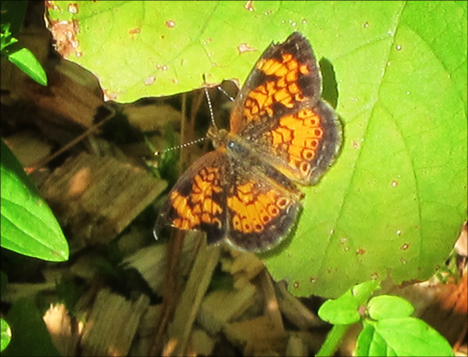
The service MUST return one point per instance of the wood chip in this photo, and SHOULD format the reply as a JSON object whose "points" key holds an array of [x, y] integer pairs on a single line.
{"points": [[179, 330], [221, 306], [97, 197], [112, 324]]}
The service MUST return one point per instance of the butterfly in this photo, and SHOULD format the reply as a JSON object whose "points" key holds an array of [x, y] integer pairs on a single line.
{"points": [[282, 134]]}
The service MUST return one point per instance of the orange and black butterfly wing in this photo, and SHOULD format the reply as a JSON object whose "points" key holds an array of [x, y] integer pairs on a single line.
{"points": [[280, 113], [260, 213], [197, 201]]}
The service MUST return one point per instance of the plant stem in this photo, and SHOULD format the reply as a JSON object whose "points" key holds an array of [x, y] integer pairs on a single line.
{"points": [[334, 338]]}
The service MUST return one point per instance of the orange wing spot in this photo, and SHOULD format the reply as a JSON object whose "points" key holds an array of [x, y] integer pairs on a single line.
{"points": [[283, 202], [312, 143], [218, 222], [305, 168], [283, 96], [236, 223], [273, 67], [312, 122], [197, 210], [291, 77], [293, 88], [299, 97], [260, 96], [304, 69], [308, 154], [287, 57], [281, 135], [281, 83], [269, 111], [305, 113], [246, 188], [211, 206], [273, 210], [289, 121], [266, 218], [246, 227], [206, 218], [245, 197]]}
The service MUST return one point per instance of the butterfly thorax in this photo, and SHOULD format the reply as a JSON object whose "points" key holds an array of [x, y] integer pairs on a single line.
{"points": [[229, 143]]}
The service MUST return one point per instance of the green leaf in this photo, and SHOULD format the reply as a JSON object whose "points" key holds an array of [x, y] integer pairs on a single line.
{"points": [[401, 337], [393, 203], [363, 291], [342, 311], [6, 38], [370, 343], [345, 309], [30, 336], [388, 307], [25, 60], [6, 334], [28, 226]]}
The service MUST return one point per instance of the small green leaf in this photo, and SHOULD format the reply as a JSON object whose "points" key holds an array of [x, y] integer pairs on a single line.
{"points": [[6, 39], [27, 62], [370, 343], [342, 311], [401, 337], [6, 334], [388, 307], [28, 226], [363, 291]]}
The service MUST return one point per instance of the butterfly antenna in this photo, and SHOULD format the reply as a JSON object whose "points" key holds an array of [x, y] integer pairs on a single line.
{"points": [[210, 108], [178, 147], [225, 93]]}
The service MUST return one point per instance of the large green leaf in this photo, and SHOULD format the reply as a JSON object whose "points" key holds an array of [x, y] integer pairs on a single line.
{"points": [[28, 226], [393, 203]]}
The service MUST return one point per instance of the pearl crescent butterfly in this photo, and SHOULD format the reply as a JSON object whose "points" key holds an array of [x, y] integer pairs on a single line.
{"points": [[282, 134]]}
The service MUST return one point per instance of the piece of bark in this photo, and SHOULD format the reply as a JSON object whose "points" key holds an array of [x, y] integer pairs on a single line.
{"points": [[294, 310], [179, 330], [146, 330], [28, 148], [257, 334], [296, 347], [62, 329], [97, 197], [271, 306], [201, 344], [221, 306], [112, 324]]}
